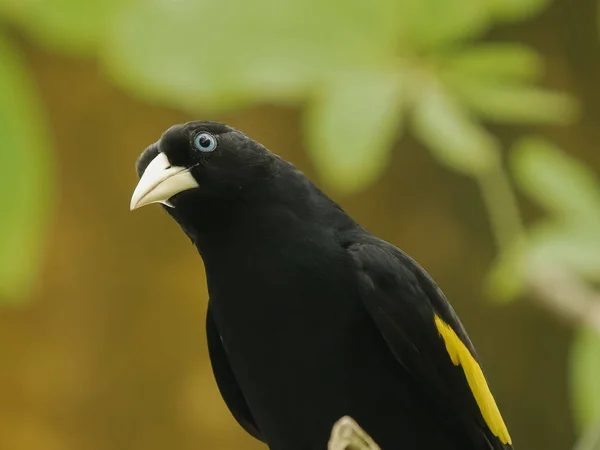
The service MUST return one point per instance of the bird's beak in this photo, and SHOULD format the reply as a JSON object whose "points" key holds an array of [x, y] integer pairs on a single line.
{"points": [[161, 181]]}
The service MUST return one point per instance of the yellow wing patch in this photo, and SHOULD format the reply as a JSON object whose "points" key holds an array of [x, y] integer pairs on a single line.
{"points": [[460, 355]]}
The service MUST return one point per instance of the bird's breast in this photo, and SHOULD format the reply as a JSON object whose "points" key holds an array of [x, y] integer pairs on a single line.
{"points": [[305, 352], [283, 291], [278, 304]]}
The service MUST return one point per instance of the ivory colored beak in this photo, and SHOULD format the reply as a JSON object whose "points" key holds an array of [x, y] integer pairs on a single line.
{"points": [[161, 181]]}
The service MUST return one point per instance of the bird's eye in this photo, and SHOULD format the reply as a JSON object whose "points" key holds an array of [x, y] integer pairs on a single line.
{"points": [[205, 142]]}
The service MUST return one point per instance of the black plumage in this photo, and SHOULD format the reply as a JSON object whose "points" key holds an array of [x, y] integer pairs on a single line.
{"points": [[310, 316]]}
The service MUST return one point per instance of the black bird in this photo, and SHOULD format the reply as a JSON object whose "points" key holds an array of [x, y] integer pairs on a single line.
{"points": [[311, 317]]}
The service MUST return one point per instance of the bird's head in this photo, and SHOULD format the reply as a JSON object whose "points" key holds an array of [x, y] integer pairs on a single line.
{"points": [[200, 160]]}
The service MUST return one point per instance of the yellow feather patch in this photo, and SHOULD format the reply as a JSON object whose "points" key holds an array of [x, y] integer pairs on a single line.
{"points": [[460, 355]]}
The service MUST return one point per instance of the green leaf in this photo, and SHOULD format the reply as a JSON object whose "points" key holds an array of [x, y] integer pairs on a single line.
{"points": [[575, 247], [429, 24], [66, 25], [352, 126], [26, 190], [562, 184], [452, 136], [513, 10], [496, 61], [516, 103], [244, 52], [584, 373]]}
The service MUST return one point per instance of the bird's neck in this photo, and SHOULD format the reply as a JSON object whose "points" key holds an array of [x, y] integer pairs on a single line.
{"points": [[290, 208]]}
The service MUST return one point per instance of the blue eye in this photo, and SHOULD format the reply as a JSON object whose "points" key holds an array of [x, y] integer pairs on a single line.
{"points": [[205, 142]]}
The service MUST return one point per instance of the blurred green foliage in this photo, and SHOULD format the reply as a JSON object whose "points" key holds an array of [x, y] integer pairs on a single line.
{"points": [[364, 76], [26, 171], [568, 236], [585, 373], [412, 54]]}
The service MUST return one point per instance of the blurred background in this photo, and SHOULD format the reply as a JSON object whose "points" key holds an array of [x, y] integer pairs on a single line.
{"points": [[463, 131]]}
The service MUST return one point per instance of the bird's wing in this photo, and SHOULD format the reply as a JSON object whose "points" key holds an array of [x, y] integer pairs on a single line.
{"points": [[226, 381], [426, 337]]}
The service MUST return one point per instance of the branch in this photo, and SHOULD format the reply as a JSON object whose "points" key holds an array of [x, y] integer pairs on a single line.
{"points": [[346, 434]]}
